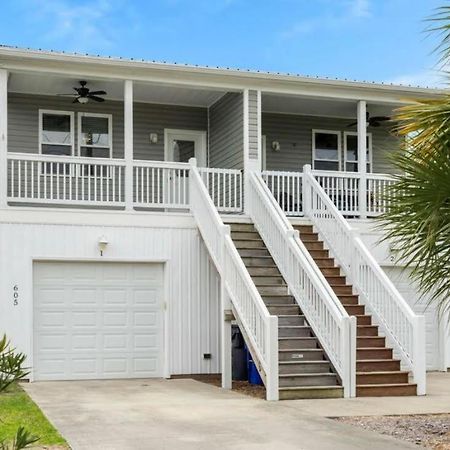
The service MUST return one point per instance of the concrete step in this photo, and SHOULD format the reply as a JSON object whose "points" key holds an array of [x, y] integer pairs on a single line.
{"points": [[263, 271], [274, 300], [244, 235], [294, 331], [373, 353], [273, 290], [355, 310], [297, 393], [293, 343], [291, 320], [301, 354], [371, 341], [366, 330], [308, 379], [248, 244], [284, 310], [254, 252], [383, 377], [386, 390], [363, 320], [258, 261], [242, 227], [377, 365], [268, 281], [292, 367]]}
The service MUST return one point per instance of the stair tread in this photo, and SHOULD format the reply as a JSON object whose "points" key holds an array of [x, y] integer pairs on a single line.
{"points": [[377, 360], [288, 363], [385, 385], [383, 372], [300, 350], [307, 375], [305, 388]]}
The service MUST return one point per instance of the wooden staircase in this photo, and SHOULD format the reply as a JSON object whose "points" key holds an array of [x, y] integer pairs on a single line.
{"points": [[377, 373], [304, 370]]}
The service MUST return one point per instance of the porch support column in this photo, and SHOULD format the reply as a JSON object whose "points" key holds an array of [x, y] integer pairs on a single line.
{"points": [[252, 138], [362, 157], [128, 143], [3, 138]]}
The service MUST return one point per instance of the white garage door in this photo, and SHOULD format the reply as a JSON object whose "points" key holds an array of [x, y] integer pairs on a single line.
{"points": [[97, 320], [406, 287]]}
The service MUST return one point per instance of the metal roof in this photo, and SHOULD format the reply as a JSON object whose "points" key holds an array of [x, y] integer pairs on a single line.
{"points": [[207, 67]]}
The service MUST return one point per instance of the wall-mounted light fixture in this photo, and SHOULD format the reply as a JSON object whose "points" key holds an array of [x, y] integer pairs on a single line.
{"points": [[102, 244], [153, 138], [276, 146]]}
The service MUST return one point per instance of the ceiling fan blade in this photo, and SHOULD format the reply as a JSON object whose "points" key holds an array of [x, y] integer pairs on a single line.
{"points": [[352, 124], [95, 98], [374, 123], [67, 95], [76, 100], [380, 118], [97, 93]]}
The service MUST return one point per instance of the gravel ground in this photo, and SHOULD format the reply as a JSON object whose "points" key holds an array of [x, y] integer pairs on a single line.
{"points": [[429, 431]]}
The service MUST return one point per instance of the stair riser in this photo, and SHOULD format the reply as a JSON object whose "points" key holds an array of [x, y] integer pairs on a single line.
{"points": [[288, 344], [283, 301], [299, 355], [318, 367], [304, 228], [250, 261], [245, 227], [386, 391], [319, 253], [355, 310], [294, 332], [311, 393], [273, 290], [291, 321], [317, 245], [376, 353], [376, 341], [264, 272], [284, 310], [325, 263], [309, 236], [367, 331], [375, 378], [249, 244], [244, 235], [309, 380], [349, 299], [342, 289], [364, 320], [336, 280], [331, 271], [268, 281], [377, 366]]}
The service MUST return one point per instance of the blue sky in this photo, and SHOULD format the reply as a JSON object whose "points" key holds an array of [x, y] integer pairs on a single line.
{"points": [[381, 40]]}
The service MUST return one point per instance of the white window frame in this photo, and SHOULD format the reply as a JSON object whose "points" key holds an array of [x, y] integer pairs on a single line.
{"points": [[71, 114], [369, 160], [110, 137], [339, 149]]}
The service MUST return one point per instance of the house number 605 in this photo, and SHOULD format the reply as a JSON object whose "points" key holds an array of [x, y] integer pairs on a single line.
{"points": [[15, 295]]}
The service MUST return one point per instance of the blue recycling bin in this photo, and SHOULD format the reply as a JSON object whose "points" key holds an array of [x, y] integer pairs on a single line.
{"points": [[253, 374]]}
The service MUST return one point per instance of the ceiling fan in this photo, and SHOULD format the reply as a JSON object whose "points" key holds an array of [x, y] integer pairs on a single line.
{"points": [[83, 94], [375, 121]]}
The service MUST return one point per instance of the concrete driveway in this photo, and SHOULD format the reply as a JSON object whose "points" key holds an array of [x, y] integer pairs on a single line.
{"points": [[186, 414]]}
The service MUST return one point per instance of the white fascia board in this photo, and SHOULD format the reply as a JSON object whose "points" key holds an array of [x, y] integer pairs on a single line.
{"points": [[182, 75], [133, 219]]}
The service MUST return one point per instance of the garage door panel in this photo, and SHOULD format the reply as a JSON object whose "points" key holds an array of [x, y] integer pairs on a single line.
{"points": [[102, 320]]}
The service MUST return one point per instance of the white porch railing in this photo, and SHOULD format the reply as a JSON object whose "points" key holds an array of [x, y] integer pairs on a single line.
{"points": [[329, 320], [403, 328], [377, 186], [65, 180], [161, 184], [224, 187], [260, 327]]}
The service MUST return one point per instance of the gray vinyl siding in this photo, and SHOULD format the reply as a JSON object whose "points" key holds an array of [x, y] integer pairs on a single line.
{"points": [[23, 122], [294, 132], [253, 124], [226, 132]]}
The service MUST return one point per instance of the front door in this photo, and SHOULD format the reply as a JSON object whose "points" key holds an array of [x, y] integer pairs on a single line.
{"points": [[181, 145]]}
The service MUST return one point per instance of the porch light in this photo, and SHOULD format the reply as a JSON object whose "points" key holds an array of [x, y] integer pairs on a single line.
{"points": [[153, 138], [276, 147], [83, 100], [102, 244]]}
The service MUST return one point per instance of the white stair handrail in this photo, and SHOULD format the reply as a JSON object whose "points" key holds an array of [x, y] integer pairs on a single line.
{"points": [[324, 312], [260, 326], [404, 329]]}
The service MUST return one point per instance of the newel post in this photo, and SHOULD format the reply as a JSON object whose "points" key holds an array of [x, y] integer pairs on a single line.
{"points": [[362, 157], [128, 143], [3, 138], [306, 190]]}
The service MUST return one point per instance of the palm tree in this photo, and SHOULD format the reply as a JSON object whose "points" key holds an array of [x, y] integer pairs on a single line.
{"points": [[418, 221]]}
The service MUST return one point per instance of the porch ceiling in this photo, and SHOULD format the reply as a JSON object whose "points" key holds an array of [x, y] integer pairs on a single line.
{"points": [[302, 105], [28, 83]]}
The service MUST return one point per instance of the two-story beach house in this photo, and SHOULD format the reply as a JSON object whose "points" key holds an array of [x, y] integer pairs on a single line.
{"points": [[146, 206]]}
